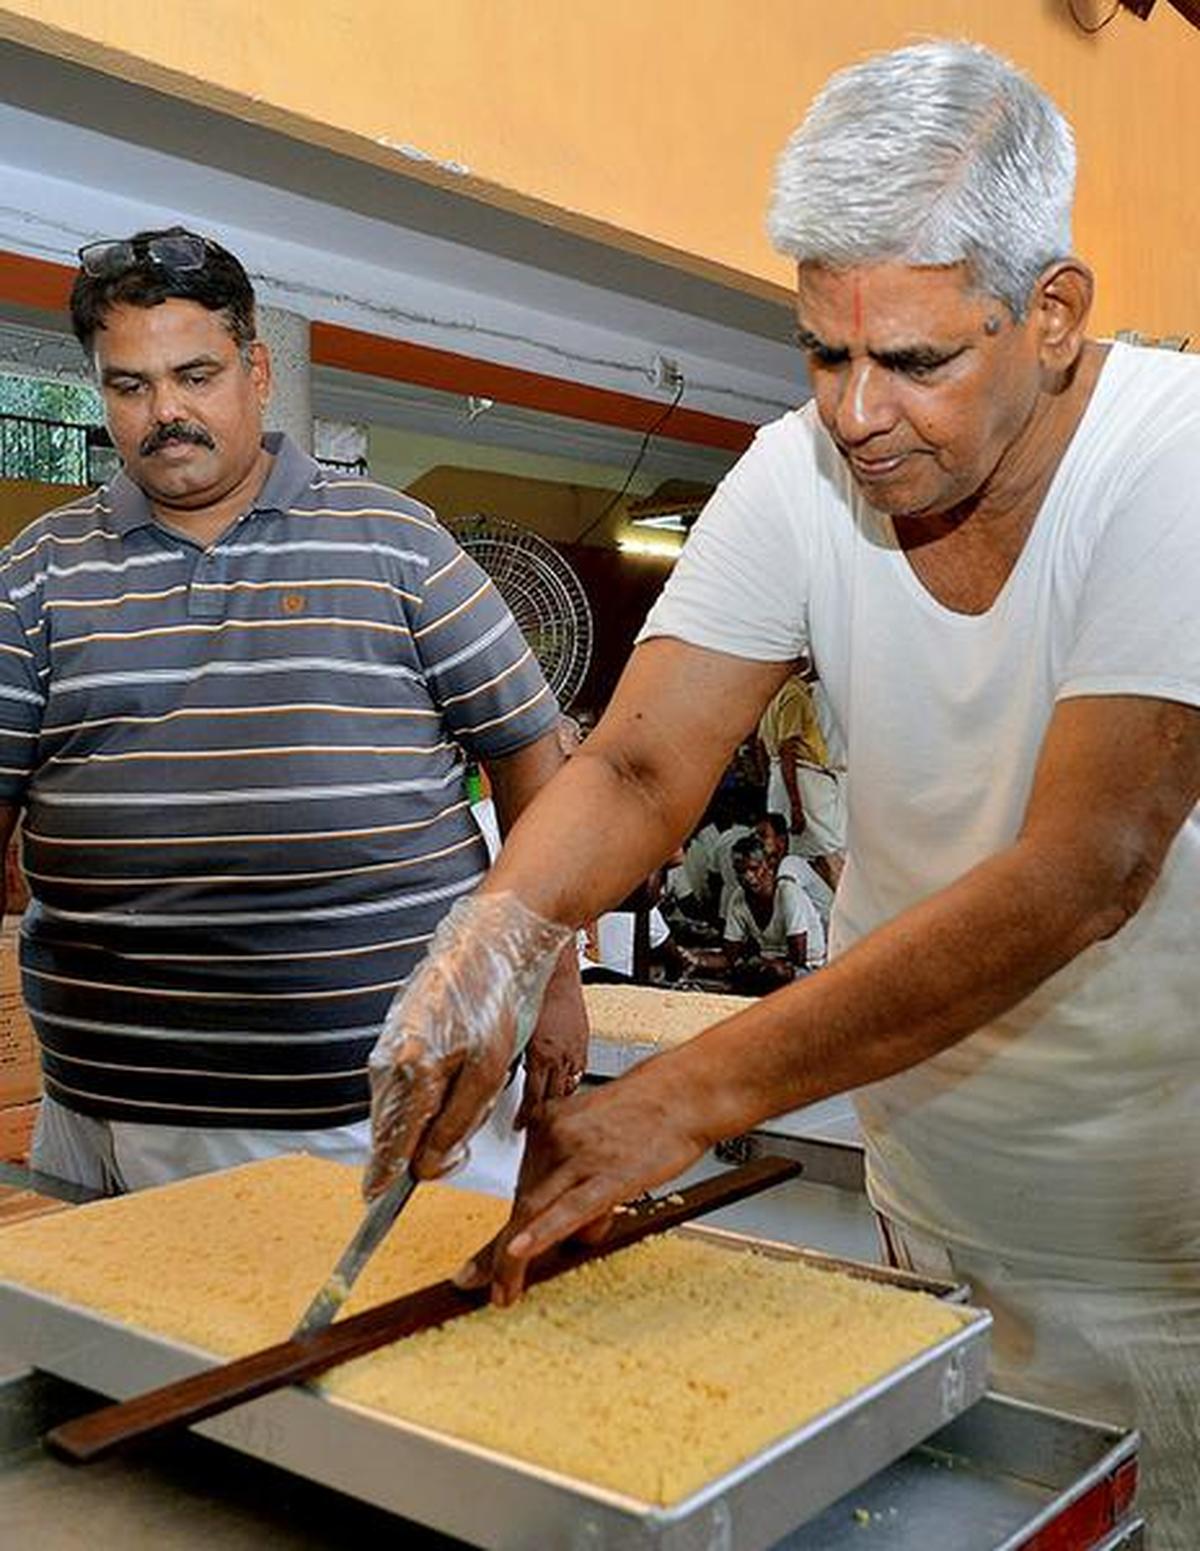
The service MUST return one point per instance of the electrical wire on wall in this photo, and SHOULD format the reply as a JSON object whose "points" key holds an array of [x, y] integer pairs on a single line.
{"points": [[651, 433]]}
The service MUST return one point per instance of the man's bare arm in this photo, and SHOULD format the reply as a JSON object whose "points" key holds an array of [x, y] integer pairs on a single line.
{"points": [[1117, 778], [517, 778], [617, 810], [789, 752], [638, 784]]}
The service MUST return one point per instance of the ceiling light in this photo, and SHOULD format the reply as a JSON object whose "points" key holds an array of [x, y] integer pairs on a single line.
{"points": [[658, 549], [664, 522]]}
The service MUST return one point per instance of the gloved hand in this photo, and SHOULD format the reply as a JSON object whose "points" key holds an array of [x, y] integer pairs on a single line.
{"points": [[452, 1031]]}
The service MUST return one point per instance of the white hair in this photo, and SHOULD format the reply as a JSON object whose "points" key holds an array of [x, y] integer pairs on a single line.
{"points": [[940, 153]]}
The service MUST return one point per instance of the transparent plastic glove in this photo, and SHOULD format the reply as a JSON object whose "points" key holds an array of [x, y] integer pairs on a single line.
{"points": [[454, 1028]]}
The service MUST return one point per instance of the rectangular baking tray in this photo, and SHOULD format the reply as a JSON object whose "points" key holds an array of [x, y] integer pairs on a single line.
{"points": [[491, 1500]]}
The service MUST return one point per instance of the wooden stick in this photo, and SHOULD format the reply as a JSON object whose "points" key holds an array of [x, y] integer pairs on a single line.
{"points": [[190, 1400]]}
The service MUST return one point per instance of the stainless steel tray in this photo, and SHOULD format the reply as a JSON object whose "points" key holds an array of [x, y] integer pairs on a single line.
{"points": [[614, 1057], [491, 1500], [1004, 1476]]}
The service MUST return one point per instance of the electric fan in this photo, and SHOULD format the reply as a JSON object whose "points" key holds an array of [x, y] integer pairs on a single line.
{"points": [[545, 596]]}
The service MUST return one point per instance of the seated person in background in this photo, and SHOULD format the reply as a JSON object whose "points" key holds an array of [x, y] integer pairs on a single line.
{"points": [[693, 883], [772, 917], [731, 814], [772, 830], [772, 932], [703, 888], [724, 856]]}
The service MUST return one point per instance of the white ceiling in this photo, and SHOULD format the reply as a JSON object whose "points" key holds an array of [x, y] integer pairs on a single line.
{"points": [[83, 155]]}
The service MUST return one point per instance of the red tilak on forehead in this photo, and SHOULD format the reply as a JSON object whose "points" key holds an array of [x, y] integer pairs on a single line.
{"points": [[858, 304]]}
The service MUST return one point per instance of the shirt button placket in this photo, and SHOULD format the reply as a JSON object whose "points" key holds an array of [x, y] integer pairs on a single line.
{"points": [[206, 599]]}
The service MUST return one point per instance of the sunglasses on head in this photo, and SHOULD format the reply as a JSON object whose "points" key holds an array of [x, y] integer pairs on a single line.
{"points": [[175, 252]]}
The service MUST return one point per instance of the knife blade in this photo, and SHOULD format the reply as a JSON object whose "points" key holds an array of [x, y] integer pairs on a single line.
{"points": [[371, 1232]]}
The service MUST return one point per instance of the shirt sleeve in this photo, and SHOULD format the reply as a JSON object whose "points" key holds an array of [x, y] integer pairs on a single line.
{"points": [[480, 670], [734, 928], [739, 584], [799, 915], [797, 719], [1138, 621]]}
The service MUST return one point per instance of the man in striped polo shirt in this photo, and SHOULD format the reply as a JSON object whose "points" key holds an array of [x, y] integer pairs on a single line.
{"points": [[235, 696]]}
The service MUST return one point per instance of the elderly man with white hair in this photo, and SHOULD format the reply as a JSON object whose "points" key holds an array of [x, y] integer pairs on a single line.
{"points": [[985, 529]]}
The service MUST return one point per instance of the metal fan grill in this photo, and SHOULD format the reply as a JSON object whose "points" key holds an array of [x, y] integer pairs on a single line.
{"points": [[545, 596]]}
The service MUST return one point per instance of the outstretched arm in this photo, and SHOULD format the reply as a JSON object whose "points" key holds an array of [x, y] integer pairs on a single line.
{"points": [[639, 783], [1117, 778], [618, 808]]}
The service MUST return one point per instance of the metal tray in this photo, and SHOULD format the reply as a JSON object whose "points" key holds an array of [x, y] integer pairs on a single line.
{"points": [[492, 1500], [1005, 1476], [614, 1057]]}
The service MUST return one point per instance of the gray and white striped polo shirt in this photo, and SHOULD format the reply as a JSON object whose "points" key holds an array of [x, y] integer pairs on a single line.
{"points": [[242, 775]]}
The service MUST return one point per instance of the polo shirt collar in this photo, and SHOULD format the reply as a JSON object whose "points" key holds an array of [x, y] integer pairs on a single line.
{"points": [[291, 473]]}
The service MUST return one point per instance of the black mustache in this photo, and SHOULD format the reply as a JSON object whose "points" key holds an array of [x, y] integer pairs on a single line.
{"points": [[175, 431]]}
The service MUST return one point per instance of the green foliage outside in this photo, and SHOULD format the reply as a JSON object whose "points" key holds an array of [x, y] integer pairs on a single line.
{"points": [[43, 429]]}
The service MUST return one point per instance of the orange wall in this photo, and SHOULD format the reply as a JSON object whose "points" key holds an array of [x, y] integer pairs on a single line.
{"points": [[21, 500], [660, 119]]}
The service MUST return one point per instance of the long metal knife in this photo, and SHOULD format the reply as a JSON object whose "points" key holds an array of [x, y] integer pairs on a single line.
{"points": [[372, 1231]]}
